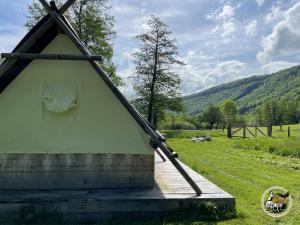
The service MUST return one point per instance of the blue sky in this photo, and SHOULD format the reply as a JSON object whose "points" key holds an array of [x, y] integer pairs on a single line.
{"points": [[219, 40]]}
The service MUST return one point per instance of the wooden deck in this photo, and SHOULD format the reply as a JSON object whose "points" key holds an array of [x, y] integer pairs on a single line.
{"points": [[171, 192], [173, 185]]}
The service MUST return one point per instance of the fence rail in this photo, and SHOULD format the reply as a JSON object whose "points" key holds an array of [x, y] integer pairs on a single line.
{"points": [[234, 129], [248, 130]]}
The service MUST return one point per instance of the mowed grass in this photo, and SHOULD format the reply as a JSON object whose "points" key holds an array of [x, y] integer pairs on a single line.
{"points": [[245, 172]]}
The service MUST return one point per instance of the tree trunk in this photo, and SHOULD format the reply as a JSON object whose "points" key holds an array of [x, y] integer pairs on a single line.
{"points": [[155, 119], [151, 101], [80, 21]]}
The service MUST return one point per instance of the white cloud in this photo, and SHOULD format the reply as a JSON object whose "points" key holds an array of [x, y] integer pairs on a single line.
{"points": [[171, 13], [275, 14], [130, 19], [224, 18], [126, 55], [127, 75], [203, 71], [285, 37], [275, 66], [227, 13], [251, 28], [10, 35], [260, 2], [228, 28]]}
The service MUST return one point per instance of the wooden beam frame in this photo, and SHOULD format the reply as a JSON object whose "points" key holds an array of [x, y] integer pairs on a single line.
{"points": [[65, 6], [140, 120], [50, 56], [46, 5], [61, 10]]}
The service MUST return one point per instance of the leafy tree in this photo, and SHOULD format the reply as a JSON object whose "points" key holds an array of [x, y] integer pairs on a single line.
{"points": [[258, 116], [229, 110], [195, 120], [176, 121], [212, 115], [93, 23], [277, 112], [156, 84], [269, 112], [292, 112]]}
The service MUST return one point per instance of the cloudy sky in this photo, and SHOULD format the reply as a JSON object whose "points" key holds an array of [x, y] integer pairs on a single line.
{"points": [[219, 40]]}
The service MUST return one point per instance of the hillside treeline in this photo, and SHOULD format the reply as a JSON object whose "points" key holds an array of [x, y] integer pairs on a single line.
{"points": [[279, 112], [220, 115]]}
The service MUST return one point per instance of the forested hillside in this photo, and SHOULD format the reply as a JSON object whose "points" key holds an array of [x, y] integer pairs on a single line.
{"points": [[250, 92]]}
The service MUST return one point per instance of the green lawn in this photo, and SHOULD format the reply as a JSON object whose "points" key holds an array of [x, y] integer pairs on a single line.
{"points": [[245, 172]]}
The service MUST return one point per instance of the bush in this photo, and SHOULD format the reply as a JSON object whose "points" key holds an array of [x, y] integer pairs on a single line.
{"points": [[179, 125], [191, 133], [173, 133]]}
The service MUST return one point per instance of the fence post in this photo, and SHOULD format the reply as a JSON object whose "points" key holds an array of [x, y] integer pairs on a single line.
{"points": [[255, 130], [244, 131], [289, 131], [270, 130], [280, 126], [229, 133]]}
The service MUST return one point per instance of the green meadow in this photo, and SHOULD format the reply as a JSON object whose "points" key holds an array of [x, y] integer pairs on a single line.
{"points": [[246, 168]]}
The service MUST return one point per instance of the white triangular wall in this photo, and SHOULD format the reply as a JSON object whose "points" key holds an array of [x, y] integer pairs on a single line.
{"points": [[99, 124]]}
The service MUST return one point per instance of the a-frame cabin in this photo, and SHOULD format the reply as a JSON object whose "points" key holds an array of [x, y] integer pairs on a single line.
{"points": [[60, 108], [66, 126]]}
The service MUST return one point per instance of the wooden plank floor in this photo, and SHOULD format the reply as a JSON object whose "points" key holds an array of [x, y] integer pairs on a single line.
{"points": [[171, 192], [171, 182]]}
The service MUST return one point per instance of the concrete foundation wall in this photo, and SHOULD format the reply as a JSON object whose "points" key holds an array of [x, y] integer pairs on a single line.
{"points": [[75, 171]]}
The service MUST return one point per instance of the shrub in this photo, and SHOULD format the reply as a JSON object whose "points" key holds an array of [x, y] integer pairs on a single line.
{"points": [[191, 133], [179, 125]]}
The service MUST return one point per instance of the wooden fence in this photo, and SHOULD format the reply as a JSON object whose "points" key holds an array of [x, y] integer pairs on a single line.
{"points": [[243, 130]]}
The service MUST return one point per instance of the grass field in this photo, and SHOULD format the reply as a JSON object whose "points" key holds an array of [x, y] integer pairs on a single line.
{"points": [[246, 168], [243, 167]]}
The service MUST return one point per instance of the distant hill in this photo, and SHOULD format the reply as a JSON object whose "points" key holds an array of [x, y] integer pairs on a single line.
{"points": [[249, 92]]}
